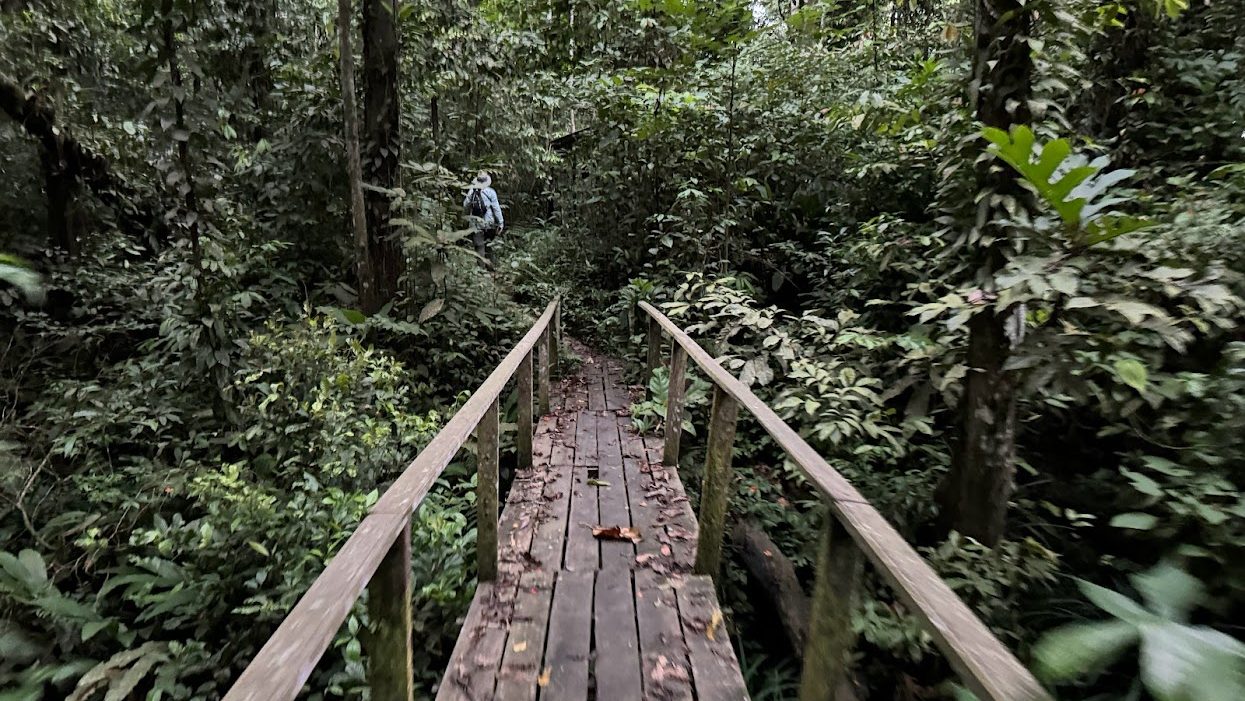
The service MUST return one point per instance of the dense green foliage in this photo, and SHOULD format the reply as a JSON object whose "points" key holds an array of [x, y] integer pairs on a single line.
{"points": [[194, 415]]}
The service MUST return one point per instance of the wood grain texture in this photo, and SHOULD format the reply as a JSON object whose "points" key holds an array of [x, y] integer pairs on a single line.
{"points": [[827, 652], [617, 670], [543, 380], [675, 398], [525, 646], [486, 494], [611, 493], [718, 483], [715, 671], [524, 427], [983, 663], [388, 646], [663, 653], [570, 638]]}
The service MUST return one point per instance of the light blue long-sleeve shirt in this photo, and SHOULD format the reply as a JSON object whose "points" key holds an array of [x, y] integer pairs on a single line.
{"points": [[492, 209]]}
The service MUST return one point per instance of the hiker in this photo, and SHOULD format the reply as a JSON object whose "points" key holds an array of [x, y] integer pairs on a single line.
{"points": [[484, 210]]}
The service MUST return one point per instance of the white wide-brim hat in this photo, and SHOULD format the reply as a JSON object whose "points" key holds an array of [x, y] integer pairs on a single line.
{"points": [[482, 181]]}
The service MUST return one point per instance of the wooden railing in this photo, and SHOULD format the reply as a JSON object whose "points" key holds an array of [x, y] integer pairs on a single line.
{"points": [[855, 531], [378, 555]]}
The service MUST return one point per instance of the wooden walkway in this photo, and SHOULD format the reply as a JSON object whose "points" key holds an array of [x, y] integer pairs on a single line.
{"points": [[573, 616]]}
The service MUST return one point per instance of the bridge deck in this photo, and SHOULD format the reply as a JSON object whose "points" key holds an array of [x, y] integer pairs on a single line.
{"points": [[573, 616]]}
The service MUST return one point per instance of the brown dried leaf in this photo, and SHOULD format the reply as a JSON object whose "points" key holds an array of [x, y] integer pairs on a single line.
{"points": [[616, 533], [713, 624], [543, 680]]}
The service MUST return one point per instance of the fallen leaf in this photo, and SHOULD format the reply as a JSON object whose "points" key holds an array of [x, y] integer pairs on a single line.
{"points": [[543, 680], [713, 624], [598, 483], [522, 645], [665, 550], [642, 558], [616, 533]]}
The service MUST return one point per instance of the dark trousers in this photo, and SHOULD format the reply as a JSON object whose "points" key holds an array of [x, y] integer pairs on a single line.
{"points": [[482, 238]]}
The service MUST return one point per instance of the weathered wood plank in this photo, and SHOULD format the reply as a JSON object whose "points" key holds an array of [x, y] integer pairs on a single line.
{"points": [[543, 380], [596, 393], [612, 493], [663, 653], [570, 635], [586, 439], [718, 484], [674, 406], [524, 427], [450, 688], [388, 647], [549, 538], [615, 638], [582, 550], [985, 665], [830, 635], [525, 646], [472, 671], [715, 671], [486, 494]]}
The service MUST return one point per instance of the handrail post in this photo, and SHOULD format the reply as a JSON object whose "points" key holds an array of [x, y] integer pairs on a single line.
{"points": [[654, 353], [675, 399], [388, 647], [555, 350], [543, 372], [716, 492], [523, 441], [827, 651], [486, 495]]}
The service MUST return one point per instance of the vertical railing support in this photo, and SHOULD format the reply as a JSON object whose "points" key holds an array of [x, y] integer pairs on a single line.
{"points": [[827, 652], [523, 441], [716, 493], [654, 353], [674, 405], [486, 495], [543, 379], [389, 671], [555, 346]]}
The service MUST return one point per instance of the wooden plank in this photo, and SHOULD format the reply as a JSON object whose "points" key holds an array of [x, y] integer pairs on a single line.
{"points": [[486, 494], [643, 517], [582, 551], [450, 687], [827, 652], [549, 537], [616, 396], [525, 646], [596, 393], [665, 671], [718, 484], [388, 647], [570, 635], [612, 493], [985, 665], [616, 644], [586, 439], [472, 671], [715, 671]]}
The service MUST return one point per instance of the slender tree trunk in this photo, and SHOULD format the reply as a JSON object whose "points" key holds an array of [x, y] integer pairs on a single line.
{"points": [[380, 113], [62, 192], [354, 167], [975, 495]]}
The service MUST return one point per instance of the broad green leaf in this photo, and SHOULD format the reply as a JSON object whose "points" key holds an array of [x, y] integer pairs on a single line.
{"points": [[1132, 373], [1115, 603], [1169, 591], [1071, 651], [1188, 663], [1135, 521], [431, 309]]}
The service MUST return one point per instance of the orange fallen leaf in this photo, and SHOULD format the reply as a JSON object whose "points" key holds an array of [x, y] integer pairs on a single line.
{"points": [[616, 533], [543, 680], [714, 622]]}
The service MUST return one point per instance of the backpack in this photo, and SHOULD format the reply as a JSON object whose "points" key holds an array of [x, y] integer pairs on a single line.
{"points": [[477, 203]]}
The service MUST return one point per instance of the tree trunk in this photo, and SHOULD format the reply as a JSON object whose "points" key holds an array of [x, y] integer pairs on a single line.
{"points": [[776, 576], [381, 112], [181, 135], [354, 167], [975, 495], [62, 192]]}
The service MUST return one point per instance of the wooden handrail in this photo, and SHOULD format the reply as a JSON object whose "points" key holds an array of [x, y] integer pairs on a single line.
{"points": [[983, 663], [283, 665]]}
